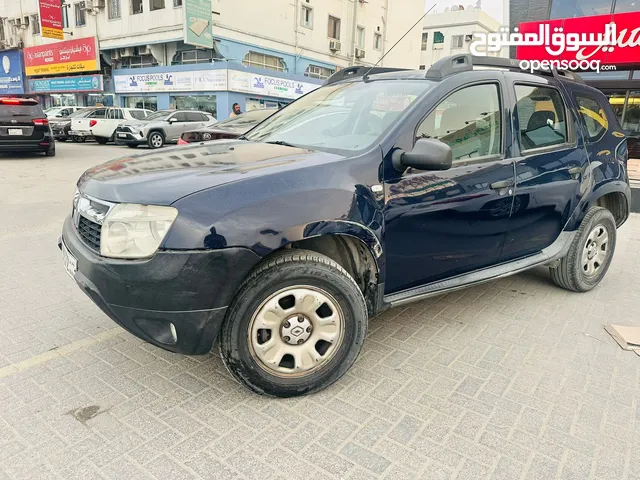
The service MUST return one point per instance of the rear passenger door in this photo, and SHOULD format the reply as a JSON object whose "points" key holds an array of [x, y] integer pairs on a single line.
{"points": [[178, 123], [551, 165]]}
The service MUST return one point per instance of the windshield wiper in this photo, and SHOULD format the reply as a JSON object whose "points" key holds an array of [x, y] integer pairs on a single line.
{"points": [[281, 142]]}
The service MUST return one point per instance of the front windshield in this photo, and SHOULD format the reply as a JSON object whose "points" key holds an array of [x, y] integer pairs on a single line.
{"points": [[159, 115], [244, 120], [343, 116]]}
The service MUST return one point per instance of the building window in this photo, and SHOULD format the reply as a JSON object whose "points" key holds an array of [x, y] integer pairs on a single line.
{"points": [[422, 67], [147, 103], [360, 34], [192, 56], [2, 36], [177, 3], [65, 18], [438, 37], [156, 5], [585, 8], [114, 9], [425, 40], [334, 28], [139, 61], [306, 16], [81, 14], [260, 60], [203, 103], [457, 41], [315, 71], [35, 21], [377, 41], [136, 7]]}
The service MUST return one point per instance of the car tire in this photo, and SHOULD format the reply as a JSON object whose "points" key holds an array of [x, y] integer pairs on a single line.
{"points": [[318, 319], [155, 140], [51, 152], [101, 140], [590, 254], [61, 139], [79, 139], [132, 145]]}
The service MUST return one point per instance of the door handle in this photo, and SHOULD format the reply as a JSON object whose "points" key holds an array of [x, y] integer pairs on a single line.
{"points": [[502, 184]]}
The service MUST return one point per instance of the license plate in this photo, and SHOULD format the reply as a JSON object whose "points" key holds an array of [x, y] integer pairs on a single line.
{"points": [[14, 131], [69, 261], [122, 135]]}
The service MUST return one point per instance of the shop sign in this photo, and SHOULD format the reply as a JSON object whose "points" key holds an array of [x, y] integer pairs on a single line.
{"points": [[197, 23], [70, 56], [583, 38], [51, 19], [11, 81], [268, 86], [83, 83], [198, 81]]}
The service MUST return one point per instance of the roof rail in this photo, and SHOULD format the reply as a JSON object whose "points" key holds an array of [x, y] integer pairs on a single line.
{"points": [[358, 71], [464, 63]]}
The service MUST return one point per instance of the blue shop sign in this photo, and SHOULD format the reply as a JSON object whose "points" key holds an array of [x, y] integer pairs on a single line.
{"points": [[11, 77], [83, 83]]}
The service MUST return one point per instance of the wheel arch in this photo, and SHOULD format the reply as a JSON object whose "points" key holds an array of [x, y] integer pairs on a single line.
{"points": [[614, 198]]}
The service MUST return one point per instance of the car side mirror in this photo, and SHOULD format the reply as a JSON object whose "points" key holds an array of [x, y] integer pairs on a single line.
{"points": [[427, 154], [172, 120]]}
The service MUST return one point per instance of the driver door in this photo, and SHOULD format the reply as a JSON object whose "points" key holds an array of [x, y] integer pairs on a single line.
{"points": [[439, 224]]}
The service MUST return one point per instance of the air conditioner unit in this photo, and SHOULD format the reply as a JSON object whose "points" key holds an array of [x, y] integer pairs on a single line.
{"points": [[126, 52], [88, 5], [468, 38], [334, 45], [98, 3], [115, 55], [12, 42], [25, 23], [144, 50], [360, 53], [18, 22]]}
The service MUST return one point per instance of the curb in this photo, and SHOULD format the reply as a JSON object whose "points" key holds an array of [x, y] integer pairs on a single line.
{"points": [[635, 197]]}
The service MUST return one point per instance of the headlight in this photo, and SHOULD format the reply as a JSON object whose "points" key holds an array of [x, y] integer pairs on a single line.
{"points": [[135, 231]]}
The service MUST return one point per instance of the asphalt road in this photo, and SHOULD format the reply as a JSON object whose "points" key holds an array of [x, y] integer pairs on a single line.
{"points": [[514, 379]]}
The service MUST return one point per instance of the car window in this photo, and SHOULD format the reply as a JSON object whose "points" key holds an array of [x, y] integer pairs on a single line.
{"points": [[98, 113], [137, 114], [180, 117], [469, 121], [593, 116], [348, 117], [24, 110], [194, 117], [115, 113], [541, 117], [246, 119]]}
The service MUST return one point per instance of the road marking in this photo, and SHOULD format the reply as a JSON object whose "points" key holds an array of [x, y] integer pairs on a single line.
{"points": [[62, 351]]}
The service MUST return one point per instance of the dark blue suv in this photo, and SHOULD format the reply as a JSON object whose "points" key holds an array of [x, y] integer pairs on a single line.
{"points": [[378, 189]]}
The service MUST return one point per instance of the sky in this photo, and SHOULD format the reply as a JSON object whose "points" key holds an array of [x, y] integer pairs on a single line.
{"points": [[492, 7]]}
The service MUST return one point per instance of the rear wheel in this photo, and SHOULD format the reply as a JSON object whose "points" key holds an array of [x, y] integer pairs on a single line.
{"points": [[590, 254], [102, 140], [156, 140], [79, 139], [51, 152], [296, 325]]}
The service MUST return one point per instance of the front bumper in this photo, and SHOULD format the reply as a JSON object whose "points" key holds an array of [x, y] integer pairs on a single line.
{"points": [[174, 300], [129, 138]]}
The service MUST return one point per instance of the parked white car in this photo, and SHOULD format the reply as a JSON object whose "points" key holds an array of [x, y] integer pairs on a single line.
{"points": [[61, 112], [103, 121]]}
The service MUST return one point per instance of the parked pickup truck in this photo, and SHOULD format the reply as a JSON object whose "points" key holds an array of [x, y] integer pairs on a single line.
{"points": [[103, 121], [378, 189]]}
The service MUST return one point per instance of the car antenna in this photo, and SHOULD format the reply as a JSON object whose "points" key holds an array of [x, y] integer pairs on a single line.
{"points": [[365, 77]]}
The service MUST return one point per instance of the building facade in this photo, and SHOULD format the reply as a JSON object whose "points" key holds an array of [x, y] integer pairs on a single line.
{"points": [[451, 32], [292, 40], [621, 86]]}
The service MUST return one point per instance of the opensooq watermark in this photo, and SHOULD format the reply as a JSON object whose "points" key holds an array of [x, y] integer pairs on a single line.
{"points": [[556, 43]]}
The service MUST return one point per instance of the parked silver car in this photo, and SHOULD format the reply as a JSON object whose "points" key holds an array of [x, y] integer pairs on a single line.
{"points": [[163, 126]]}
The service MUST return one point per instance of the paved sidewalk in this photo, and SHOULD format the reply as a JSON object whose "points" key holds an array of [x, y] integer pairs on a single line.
{"points": [[514, 379]]}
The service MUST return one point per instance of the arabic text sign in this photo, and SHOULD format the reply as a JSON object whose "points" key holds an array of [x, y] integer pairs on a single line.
{"points": [[70, 56], [197, 23], [51, 19], [11, 81], [268, 86], [82, 83], [610, 39], [201, 81]]}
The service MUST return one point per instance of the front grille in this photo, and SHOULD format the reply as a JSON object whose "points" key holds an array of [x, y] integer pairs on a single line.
{"points": [[90, 232], [125, 129]]}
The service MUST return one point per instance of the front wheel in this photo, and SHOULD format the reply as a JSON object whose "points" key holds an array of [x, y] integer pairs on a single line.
{"points": [[102, 140], [156, 140], [296, 325], [590, 254]]}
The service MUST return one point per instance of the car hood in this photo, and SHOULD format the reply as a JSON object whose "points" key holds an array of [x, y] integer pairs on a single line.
{"points": [[163, 177], [59, 121]]}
